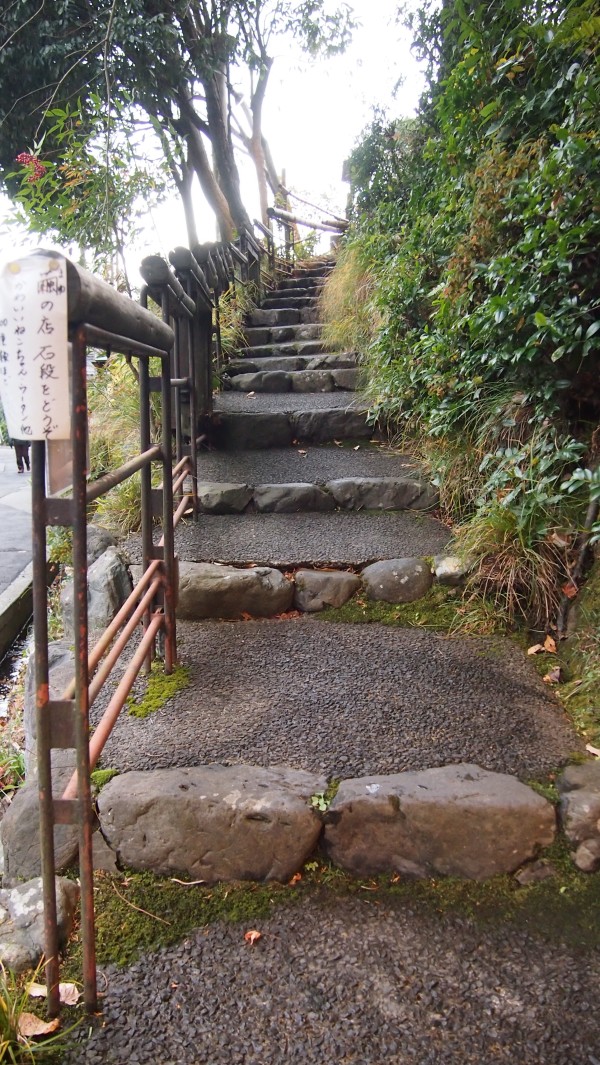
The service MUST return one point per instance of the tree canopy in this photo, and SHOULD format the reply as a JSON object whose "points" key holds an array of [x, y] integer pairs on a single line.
{"points": [[180, 66]]}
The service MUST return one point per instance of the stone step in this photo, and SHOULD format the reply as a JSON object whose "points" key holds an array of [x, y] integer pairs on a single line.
{"points": [[307, 281], [238, 429], [281, 351], [317, 464], [347, 700], [311, 538], [283, 301], [296, 380], [407, 492], [278, 316], [257, 335], [343, 361]]}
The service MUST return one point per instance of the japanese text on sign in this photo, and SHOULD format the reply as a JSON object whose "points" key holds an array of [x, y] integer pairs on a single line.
{"points": [[34, 360]]}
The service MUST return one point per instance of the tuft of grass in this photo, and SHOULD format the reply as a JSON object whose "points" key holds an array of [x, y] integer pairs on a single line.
{"points": [[12, 768], [160, 687], [15, 1003], [350, 319], [514, 572]]}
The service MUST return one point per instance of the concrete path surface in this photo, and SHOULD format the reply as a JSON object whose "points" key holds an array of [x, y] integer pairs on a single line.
{"points": [[15, 518]]}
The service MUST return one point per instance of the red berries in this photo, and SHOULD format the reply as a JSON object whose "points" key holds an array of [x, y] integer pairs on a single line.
{"points": [[31, 160]]}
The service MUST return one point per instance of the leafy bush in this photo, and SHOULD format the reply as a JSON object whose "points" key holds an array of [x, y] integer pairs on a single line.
{"points": [[478, 227]]}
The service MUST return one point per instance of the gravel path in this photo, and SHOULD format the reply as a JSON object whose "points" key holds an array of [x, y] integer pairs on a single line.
{"points": [[348, 700], [367, 982]]}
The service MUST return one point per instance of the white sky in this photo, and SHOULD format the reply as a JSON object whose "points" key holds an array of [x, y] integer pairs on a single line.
{"points": [[314, 112]]}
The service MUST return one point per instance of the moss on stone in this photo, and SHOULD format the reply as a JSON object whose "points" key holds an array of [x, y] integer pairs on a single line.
{"points": [[443, 609], [100, 777], [160, 687]]}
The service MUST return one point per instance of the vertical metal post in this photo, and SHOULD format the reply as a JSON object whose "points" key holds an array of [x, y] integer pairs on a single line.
{"points": [[84, 796], [192, 377], [44, 752], [176, 373], [168, 535], [146, 477]]}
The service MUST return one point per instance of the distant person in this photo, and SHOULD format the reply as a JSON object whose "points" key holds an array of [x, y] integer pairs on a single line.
{"points": [[21, 453]]}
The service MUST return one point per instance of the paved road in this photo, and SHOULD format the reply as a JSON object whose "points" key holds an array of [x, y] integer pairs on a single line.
{"points": [[15, 519]]}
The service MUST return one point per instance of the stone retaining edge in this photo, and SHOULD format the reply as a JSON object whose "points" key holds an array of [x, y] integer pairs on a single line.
{"points": [[16, 608]]}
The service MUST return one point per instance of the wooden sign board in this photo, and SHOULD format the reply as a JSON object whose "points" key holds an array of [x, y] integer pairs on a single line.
{"points": [[34, 356]]}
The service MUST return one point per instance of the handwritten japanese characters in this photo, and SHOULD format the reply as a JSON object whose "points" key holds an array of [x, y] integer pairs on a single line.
{"points": [[34, 358]]}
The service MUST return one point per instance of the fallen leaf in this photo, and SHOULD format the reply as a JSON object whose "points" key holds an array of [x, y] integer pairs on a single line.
{"points": [[303, 452], [252, 936], [553, 677], [30, 1026], [251, 394], [69, 994], [592, 750], [246, 616], [37, 991], [560, 541], [295, 879], [535, 649], [357, 448], [550, 645], [569, 589]]}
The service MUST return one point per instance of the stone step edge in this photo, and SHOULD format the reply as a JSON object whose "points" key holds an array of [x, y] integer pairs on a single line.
{"points": [[269, 821], [410, 823], [219, 590], [343, 493]]}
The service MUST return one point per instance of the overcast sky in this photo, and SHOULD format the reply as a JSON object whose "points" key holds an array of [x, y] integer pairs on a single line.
{"points": [[314, 112]]}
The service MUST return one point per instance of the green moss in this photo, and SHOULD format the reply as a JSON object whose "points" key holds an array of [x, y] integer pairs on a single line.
{"points": [[141, 912], [160, 687], [100, 777], [172, 911], [441, 610]]}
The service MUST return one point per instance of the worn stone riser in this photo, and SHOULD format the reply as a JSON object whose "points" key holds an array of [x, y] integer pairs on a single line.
{"points": [[246, 822], [343, 361], [214, 590], [347, 493], [284, 302], [280, 351], [238, 430], [258, 335], [344, 380], [283, 316]]}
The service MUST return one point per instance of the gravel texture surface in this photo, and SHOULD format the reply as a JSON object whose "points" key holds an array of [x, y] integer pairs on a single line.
{"points": [[311, 463], [286, 401], [353, 981], [341, 538], [348, 700]]}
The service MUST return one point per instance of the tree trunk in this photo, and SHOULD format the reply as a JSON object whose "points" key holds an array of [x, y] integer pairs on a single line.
{"points": [[208, 184], [229, 178]]}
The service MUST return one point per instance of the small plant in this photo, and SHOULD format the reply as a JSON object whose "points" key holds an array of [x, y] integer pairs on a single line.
{"points": [[22, 1034], [12, 769]]}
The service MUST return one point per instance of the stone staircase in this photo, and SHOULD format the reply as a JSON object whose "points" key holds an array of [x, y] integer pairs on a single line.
{"points": [[304, 508], [298, 479]]}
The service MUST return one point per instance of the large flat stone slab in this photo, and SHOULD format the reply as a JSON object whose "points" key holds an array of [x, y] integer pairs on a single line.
{"points": [[208, 590], [457, 820], [213, 822], [383, 493]]}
